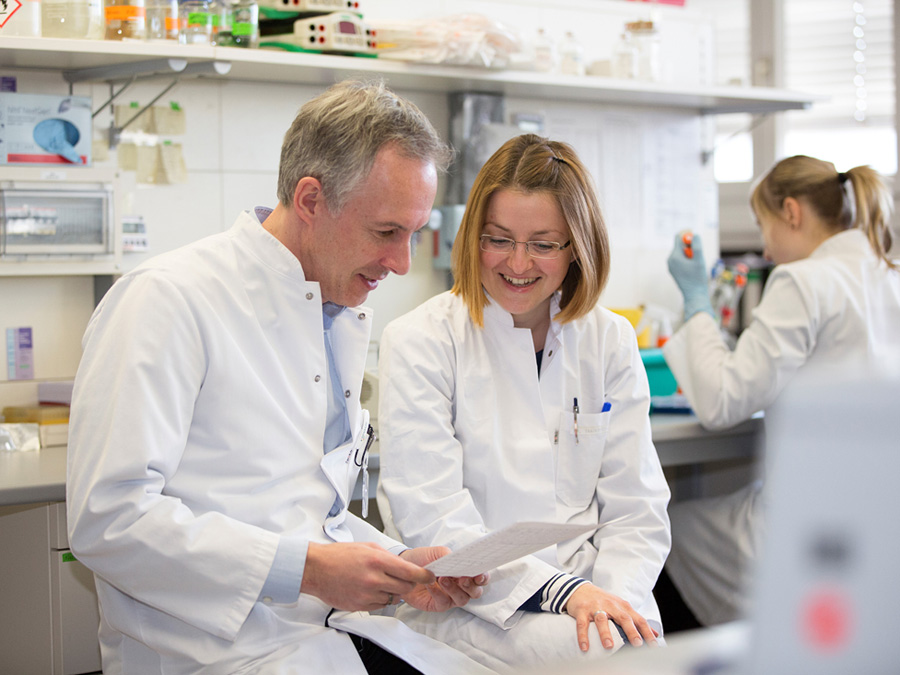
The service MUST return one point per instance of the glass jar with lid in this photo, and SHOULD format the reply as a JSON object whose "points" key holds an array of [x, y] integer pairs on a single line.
{"points": [[162, 19], [125, 19], [195, 22], [245, 23], [645, 39]]}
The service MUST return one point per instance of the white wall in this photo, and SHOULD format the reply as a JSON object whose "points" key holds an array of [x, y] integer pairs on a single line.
{"points": [[646, 165]]}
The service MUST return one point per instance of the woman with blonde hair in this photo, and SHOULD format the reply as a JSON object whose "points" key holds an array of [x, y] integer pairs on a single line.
{"points": [[515, 397], [833, 299]]}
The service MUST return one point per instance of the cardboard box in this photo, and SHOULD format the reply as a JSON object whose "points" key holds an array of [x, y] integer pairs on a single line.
{"points": [[38, 130]]}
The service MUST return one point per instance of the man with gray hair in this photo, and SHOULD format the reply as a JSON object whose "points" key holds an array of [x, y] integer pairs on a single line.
{"points": [[216, 432]]}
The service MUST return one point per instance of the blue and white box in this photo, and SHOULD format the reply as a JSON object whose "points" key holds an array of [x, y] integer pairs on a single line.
{"points": [[40, 130]]}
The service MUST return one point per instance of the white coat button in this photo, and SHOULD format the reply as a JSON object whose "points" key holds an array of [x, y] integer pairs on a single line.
{"points": [[361, 316], [267, 600], [550, 353], [309, 296], [347, 394], [318, 377]]}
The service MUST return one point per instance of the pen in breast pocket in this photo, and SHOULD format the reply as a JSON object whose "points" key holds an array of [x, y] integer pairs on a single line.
{"points": [[575, 417], [606, 407]]}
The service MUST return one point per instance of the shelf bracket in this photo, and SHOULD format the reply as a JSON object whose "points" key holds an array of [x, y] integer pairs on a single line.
{"points": [[129, 73]]}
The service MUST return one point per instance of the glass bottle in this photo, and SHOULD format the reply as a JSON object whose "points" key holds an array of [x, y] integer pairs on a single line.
{"points": [[96, 20], [544, 53], [65, 18], [221, 20], [195, 22], [571, 56], [125, 19], [646, 42], [245, 23], [162, 19], [624, 63], [25, 22]]}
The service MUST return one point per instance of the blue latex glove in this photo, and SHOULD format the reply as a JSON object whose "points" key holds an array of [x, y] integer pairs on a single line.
{"points": [[691, 276], [59, 137]]}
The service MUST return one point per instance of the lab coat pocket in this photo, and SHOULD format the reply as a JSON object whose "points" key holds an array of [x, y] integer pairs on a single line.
{"points": [[578, 459]]}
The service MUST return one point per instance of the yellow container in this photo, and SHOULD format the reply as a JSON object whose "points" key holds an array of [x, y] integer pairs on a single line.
{"points": [[41, 414], [634, 315]]}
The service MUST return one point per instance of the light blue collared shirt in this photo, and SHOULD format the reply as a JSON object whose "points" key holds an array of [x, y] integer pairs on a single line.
{"points": [[286, 574]]}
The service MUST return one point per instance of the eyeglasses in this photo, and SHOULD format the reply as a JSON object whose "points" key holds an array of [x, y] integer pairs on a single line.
{"points": [[546, 250]]}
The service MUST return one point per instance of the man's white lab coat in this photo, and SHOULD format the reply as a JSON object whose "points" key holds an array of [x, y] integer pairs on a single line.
{"points": [[196, 445]]}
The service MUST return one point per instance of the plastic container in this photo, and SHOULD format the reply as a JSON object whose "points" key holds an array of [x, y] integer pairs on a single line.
{"points": [[634, 316], [125, 19], [195, 23], [662, 382]]}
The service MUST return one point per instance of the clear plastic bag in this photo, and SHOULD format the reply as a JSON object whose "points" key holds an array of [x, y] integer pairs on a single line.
{"points": [[19, 437], [460, 39]]}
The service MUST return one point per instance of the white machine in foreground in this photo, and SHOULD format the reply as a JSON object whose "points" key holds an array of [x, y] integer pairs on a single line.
{"points": [[826, 593]]}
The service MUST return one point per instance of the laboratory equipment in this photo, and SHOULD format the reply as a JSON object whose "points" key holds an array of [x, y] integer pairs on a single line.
{"points": [[162, 19], [309, 7], [726, 286], [67, 219], [125, 19], [65, 18], [645, 38], [221, 20], [335, 32], [544, 52], [245, 23], [571, 56], [195, 22]]}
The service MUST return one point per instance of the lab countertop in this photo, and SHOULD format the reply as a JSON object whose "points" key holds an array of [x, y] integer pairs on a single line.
{"points": [[40, 476]]}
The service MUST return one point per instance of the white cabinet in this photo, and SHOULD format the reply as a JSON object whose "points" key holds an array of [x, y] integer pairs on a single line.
{"points": [[48, 605]]}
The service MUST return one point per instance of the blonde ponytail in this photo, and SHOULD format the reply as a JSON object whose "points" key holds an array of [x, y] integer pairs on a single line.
{"points": [[858, 198], [874, 206]]}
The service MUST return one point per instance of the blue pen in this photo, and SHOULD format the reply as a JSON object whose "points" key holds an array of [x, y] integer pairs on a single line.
{"points": [[606, 407], [575, 415]]}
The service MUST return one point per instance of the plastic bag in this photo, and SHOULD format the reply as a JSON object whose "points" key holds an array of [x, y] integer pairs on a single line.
{"points": [[460, 39], [19, 437]]}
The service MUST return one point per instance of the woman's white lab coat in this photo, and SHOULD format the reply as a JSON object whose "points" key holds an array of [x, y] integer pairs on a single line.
{"points": [[839, 306], [196, 445], [472, 441]]}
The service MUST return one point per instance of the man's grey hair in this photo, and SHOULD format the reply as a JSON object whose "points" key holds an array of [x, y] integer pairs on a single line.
{"points": [[336, 136]]}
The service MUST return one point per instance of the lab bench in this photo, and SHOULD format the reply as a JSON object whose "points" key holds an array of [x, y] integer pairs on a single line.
{"points": [[684, 449], [49, 617]]}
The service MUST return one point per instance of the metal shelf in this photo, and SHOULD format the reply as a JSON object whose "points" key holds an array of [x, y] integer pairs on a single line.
{"points": [[319, 69]]}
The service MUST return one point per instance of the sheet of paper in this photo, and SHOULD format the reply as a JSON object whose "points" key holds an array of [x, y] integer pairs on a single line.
{"points": [[503, 546]]}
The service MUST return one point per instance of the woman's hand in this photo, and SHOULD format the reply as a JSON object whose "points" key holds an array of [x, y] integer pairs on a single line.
{"points": [[444, 592], [690, 274], [591, 605]]}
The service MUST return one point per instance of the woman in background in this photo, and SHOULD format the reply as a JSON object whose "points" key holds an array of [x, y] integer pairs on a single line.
{"points": [[514, 397], [833, 298]]}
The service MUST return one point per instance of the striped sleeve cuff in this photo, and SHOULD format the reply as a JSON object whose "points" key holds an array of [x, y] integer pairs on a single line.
{"points": [[554, 595]]}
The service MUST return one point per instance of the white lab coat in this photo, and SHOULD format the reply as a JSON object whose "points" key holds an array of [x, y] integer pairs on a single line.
{"points": [[472, 441], [196, 445], [839, 306]]}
